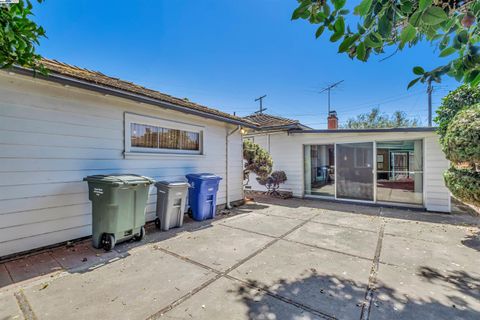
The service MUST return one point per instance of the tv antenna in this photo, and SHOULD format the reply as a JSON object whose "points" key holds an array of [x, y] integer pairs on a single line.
{"points": [[328, 89], [261, 104]]}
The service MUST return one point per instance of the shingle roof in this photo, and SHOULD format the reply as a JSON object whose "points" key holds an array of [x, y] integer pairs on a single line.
{"points": [[264, 120], [98, 78]]}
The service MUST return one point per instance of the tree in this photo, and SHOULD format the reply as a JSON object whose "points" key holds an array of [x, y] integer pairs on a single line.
{"points": [[463, 97], [376, 119], [19, 35], [459, 130], [273, 182], [451, 26], [257, 160], [462, 139]]}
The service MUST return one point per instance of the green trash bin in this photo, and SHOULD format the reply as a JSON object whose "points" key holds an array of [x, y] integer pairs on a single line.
{"points": [[118, 208]]}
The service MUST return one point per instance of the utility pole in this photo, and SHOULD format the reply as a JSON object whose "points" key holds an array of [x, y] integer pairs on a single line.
{"points": [[429, 92], [261, 104], [328, 89]]}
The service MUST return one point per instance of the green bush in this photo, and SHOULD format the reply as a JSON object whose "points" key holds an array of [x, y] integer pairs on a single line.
{"points": [[273, 181], [463, 96], [257, 160], [461, 142], [464, 184]]}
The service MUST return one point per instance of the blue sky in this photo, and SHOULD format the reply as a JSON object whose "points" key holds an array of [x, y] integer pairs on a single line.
{"points": [[225, 53]]}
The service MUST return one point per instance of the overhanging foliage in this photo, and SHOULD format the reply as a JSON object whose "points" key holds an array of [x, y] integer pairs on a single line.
{"points": [[19, 35], [451, 26]]}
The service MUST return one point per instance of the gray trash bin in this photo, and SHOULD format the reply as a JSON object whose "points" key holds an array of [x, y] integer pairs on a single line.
{"points": [[171, 200]]}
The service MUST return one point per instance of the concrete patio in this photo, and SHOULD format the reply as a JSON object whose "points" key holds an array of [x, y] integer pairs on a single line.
{"points": [[273, 259]]}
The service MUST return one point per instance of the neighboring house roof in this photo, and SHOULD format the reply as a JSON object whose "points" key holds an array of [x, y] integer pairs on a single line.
{"points": [[97, 81], [270, 122]]}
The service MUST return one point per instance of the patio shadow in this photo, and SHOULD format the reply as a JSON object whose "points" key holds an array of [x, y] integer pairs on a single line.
{"points": [[332, 297], [472, 241]]}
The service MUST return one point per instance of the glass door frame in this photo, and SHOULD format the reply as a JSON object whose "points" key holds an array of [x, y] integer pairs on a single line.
{"points": [[374, 172]]}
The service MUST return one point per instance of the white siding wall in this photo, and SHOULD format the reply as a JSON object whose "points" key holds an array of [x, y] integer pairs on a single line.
{"points": [[287, 154], [437, 196], [52, 136]]}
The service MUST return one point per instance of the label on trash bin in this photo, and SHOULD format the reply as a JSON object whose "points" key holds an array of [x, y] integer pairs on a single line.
{"points": [[98, 191], [210, 189]]}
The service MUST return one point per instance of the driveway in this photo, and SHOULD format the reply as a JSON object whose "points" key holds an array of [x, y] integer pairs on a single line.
{"points": [[273, 259]]}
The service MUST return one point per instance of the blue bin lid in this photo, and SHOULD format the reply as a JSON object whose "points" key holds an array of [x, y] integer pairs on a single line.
{"points": [[203, 176]]}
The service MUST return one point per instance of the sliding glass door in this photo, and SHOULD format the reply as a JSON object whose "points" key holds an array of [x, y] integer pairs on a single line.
{"points": [[400, 171], [355, 171], [320, 170], [381, 171]]}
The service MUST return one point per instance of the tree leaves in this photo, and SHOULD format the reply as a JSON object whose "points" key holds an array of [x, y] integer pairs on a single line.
{"points": [[347, 43], [433, 16], [361, 51], [418, 70], [377, 119], [319, 31], [363, 8], [413, 82], [407, 35], [423, 4], [339, 4], [448, 51], [18, 36], [339, 25], [383, 24]]}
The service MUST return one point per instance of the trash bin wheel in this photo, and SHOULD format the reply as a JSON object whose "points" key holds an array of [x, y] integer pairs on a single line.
{"points": [[108, 241], [190, 213], [157, 223], [141, 235]]}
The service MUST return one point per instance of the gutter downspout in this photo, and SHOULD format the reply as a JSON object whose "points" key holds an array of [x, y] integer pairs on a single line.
{"points": [[226, 166]]}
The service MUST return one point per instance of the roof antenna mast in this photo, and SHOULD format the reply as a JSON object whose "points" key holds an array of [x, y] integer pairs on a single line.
{"points": [[328, 89], [261, 104]]}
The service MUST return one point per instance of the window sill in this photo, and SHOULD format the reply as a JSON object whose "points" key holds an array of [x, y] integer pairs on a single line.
{"points": [[153, 156]]}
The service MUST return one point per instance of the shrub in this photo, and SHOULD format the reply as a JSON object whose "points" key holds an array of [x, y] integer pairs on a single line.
{"points": [[461, 142], [464, 184], [463, 96], [273, 181], [257, 160]]}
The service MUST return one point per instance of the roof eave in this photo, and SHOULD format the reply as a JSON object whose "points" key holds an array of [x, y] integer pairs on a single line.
{"points": [[372, 130], [78, 83], [288, 127]]}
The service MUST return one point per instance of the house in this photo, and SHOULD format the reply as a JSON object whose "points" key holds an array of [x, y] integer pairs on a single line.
{"points": [[395, 166], [57, 129]]}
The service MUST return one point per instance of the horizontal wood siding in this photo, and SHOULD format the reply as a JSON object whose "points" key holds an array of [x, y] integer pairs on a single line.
{"points": [[52, 136], [437, 195], [287, 154]]}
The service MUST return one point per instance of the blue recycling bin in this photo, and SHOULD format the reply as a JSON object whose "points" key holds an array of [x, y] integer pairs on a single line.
{"points": [[202, 195]]}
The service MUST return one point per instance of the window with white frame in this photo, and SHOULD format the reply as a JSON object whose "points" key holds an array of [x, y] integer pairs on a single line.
{"points": [[153, 135]]}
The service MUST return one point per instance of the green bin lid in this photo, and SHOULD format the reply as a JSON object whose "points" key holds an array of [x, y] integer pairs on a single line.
{"points": [[119, 179]]}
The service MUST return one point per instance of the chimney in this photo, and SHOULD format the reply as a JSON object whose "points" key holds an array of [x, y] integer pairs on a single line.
{"points": [[332, 120]]}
